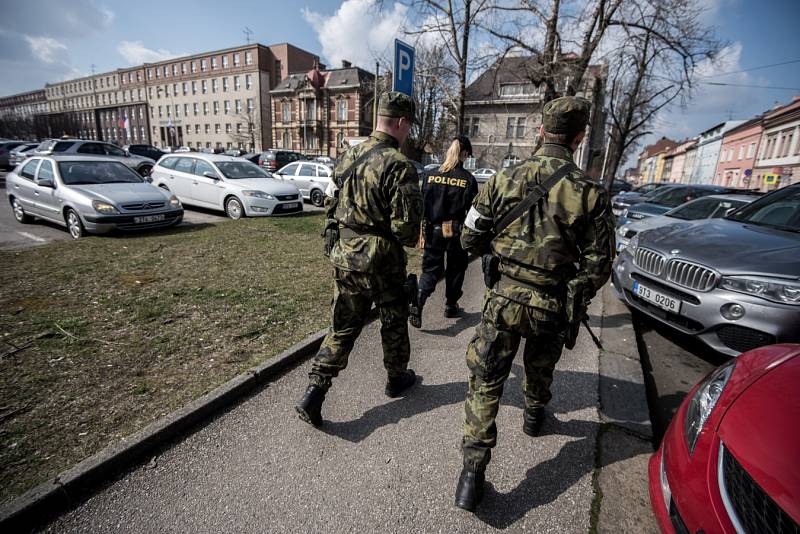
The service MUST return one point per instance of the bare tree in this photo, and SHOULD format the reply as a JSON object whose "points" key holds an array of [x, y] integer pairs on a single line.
{"points": [[663, 45], [250, 133]]}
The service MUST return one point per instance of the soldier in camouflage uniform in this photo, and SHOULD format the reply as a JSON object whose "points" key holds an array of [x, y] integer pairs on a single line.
{"points": [[378, 212], [567, 237]]}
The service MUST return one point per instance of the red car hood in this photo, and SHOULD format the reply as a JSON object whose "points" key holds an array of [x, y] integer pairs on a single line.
{"points": [[761, 426]]}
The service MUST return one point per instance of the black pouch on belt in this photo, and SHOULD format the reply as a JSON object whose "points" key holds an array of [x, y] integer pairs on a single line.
{"points": [[490, 264]]}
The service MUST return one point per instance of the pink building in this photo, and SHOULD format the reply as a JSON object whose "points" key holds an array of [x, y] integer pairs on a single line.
{"points": [[738, 154], [678, 161]]}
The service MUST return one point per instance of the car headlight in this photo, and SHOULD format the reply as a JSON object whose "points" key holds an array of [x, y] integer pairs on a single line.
{"points": [[703, 402], [622, 230], [258, 194], [780, 291], [633, 244], [174, 202], [635, 215], [104, 207]]}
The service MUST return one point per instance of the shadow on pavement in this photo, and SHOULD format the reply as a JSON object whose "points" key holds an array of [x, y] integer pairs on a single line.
{"points": [[464, 321], [611, 321]]}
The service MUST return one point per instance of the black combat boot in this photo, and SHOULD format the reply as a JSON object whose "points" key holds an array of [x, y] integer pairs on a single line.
{"points": [[397, 384], [469, 490], [451, 310], [310, 406], [415, 312], [533, 421]]}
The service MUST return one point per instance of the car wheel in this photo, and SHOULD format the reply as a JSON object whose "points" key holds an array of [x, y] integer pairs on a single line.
{"points": [[233, 208], [317, 198], [74, 225], [19, 212]]}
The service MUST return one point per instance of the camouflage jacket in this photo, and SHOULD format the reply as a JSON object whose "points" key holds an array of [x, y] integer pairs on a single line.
{"points": [[569, 234], [382, 202]]}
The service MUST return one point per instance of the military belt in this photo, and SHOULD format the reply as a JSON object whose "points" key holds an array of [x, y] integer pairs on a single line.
{"points": [[507, 282], [345, 232]]}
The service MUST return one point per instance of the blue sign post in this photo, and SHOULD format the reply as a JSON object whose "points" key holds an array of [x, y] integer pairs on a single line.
{"points": [[403, 67]]}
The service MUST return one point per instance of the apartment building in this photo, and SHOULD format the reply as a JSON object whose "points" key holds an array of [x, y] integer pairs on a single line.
{"points": [[503, 112], [652, 158], [675, 162], [219, 99], [708, 148], [778, 162], [17, 114], [738, 153], [316, 112]]}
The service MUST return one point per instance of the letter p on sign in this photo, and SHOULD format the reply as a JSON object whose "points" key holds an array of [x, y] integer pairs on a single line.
{"points": [[403, 67]]}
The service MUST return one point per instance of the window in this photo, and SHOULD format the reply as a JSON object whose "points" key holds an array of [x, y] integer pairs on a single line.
{"points": [[214, 85], [183, 68], [186, 110], [238, 105], [92, 148], [227, 128], [291, 169], [46, 172], [224, 62], [250, 107], [216, 129], [236, 83], [248, 58], [188, 129], [203, 87], [194, 88], [287, 140], [238, 127], [177, 110], [520, 127], [278, 70], [227, 106], [286, 111], [207, 128], [185, 88], [166, 71], [517, 90], [201, 167], [510, 127], [158, 75], [788, 144], [194, 66], [751, 150], [196, 109], [248, 81], [213, 63], [341, 110], [225, 84], [216, 107], [236, 60], [29, 170], [169, 111], [741, 151], [174, 89], [475, 127], [197, 128], [205, 108], [159, 111], [203, 65], [184, 165]]}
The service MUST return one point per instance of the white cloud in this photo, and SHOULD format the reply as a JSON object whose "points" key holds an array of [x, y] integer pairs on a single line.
{"points": [[358, 32], [47, 49], [136, 53]]}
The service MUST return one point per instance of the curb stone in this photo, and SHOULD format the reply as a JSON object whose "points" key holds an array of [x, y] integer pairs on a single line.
{"points": [[54, 496]]}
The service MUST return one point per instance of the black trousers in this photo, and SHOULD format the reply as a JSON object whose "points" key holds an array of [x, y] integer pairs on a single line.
{"points": [[443, 256]]}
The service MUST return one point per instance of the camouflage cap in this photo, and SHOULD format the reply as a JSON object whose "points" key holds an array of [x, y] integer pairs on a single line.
{"points": [[566, 115], [397, 104]]}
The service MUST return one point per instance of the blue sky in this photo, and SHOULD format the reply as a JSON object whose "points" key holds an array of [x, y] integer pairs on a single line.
{"points": [[44, 41]]}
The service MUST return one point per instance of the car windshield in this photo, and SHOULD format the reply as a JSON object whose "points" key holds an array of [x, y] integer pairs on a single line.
{"points": [[236, 170], [780, 210], [656, 194], [96, 172], [703, 208]]}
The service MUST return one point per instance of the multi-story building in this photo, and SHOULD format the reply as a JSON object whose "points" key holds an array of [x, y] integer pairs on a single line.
{"points": [[219, 99], [778, 162], [708, 147], [503, 112], [318, 111], [738, 153], [678, 157], [17, 113], [651, 160]]}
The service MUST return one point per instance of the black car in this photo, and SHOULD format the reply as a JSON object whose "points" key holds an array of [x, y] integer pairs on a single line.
{"points": [[147, 151], [617, 186], [272, 160]]}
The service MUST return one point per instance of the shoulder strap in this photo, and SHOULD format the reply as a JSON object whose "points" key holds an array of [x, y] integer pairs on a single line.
{"points": [[536, 194], [360, 159]]}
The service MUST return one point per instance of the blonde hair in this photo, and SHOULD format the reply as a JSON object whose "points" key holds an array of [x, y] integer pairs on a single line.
{"points": [[452, 158]]}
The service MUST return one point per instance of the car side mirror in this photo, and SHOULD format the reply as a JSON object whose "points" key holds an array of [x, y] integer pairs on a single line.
{"points": [[127, 154], [46, 182], [209, 174], [729, 211]]}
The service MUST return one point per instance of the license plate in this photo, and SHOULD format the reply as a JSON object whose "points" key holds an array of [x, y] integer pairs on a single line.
{"points": [[661, 300], [291, 205], [148, 218]]}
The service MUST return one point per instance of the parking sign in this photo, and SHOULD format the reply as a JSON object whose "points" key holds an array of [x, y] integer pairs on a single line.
{"points": [[403, 67]]}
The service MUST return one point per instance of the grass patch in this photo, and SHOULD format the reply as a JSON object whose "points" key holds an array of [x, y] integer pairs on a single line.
{"points": [[119, 331]]}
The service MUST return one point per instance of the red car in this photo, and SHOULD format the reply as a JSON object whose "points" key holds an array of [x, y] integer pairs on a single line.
{"points": [[730, 459]]}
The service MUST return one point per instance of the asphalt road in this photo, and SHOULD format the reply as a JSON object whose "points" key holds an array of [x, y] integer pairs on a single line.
{"points": [[15, 236], [378, 464], [672, 364]]}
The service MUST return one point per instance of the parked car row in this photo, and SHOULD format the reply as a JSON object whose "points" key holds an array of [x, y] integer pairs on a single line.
{"points": [[732, 282]]}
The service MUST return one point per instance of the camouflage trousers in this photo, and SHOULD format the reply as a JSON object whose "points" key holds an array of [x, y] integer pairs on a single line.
{"points": [[489, 358], [353, 296]]}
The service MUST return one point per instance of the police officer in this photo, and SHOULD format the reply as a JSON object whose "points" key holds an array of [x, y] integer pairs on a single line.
{"points": [[447, 195], [566, 238], [377, 211]]}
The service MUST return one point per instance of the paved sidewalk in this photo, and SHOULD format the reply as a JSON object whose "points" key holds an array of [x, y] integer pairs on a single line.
{"points": [[378, 464]]}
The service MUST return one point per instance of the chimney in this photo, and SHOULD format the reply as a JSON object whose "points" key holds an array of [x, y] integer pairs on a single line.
{"points": [[346, 64]]}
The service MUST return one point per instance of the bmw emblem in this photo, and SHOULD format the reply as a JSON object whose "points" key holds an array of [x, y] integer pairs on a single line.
{"points": [[675, 251]]}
